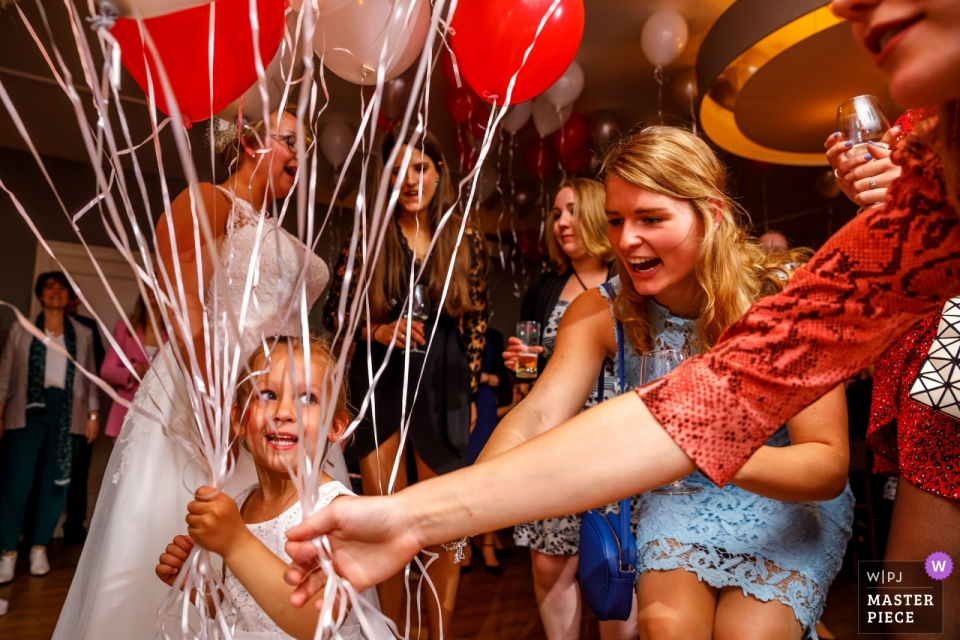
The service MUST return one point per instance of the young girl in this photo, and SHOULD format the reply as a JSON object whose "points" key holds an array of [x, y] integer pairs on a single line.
{"points": [[249, 532]]}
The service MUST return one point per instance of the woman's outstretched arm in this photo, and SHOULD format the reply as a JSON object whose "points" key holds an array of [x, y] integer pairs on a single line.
{"points": [[613, 450]]}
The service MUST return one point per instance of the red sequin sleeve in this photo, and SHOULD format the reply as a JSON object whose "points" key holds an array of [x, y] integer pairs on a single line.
{"points": [[875, 278]]}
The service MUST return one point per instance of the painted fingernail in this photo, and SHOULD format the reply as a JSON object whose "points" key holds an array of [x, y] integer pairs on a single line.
{"points": [[836, 135], [867, 156], [848, 143]]}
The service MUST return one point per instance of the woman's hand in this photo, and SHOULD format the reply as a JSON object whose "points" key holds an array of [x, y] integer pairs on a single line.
{"points": [[214, 521], [383, 333], [514, 349], [854, 174], [371, 539], [91, 430], [171, 561]]}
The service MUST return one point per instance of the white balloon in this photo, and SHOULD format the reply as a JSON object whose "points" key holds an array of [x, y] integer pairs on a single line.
{"points": [[664, 37], [517, 116], [567, 88], [152, 8], [548, 118], [335, 142], [351, 37], [275, 75]]}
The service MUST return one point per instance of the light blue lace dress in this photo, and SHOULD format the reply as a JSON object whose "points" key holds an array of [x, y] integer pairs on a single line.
{"points": [[772, 550]]}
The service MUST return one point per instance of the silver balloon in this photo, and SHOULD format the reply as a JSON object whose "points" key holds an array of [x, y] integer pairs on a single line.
{"points": [[826, 185], [517, 116], [606, 127], [350, 180]]}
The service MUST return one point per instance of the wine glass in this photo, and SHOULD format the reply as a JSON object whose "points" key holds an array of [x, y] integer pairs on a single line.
{"points": [[418, 310], [656, 364], [861, 121]]}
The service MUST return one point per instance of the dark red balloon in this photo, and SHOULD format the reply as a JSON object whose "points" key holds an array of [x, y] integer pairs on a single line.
{"points": [[383, 123], [760, 166], [490, 38], [466, 155], [539, 157], [571, 136], [530, 245], [575, 160], [182, 40], [462, 104]]}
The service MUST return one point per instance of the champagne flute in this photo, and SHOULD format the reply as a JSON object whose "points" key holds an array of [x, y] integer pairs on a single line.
{"points": [[419, 310], [861, 121], [656, 364]]}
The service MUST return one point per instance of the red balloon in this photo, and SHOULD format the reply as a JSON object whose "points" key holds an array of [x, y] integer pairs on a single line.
{"points": [[575, 160], [571, 136], [182, 40], [490, 37], [383, 123], [529, 245], [462, 104], [540, 158], [467, 156]]}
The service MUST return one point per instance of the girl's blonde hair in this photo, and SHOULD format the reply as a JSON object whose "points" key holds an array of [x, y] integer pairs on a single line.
{"points": [[591, 227], [732, 270], [320, 353]]}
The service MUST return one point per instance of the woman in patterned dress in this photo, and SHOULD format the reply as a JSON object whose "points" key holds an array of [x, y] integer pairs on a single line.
{"points": [[887, 269], [446, 378], [582, 258]]}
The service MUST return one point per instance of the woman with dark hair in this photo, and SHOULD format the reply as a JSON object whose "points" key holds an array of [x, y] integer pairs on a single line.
{"points": [[442, 382], [48, 407], [140, 349]]}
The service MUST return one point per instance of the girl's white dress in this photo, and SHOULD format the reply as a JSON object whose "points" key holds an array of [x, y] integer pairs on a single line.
{"points": [[244, 614], [150, 477]]}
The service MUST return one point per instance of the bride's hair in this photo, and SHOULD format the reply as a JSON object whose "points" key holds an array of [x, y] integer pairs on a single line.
{"points": [[732, 269], [252, 135]]}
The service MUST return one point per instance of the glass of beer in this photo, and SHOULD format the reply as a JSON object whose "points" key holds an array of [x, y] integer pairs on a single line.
{"points": [[529, 334]]}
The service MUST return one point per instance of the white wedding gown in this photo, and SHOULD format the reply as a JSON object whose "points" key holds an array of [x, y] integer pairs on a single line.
{"points": [[150, 477]]}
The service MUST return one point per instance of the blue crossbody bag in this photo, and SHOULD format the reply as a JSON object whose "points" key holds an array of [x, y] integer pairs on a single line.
{"points": [[608, 550]]}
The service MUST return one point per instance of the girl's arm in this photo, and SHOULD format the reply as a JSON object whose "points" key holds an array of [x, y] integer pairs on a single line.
{"points": [[584, 340], [814, 466], [216, 525], [112, 370]]}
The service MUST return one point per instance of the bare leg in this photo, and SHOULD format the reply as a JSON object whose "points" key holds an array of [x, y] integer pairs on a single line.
{"points": [[490, 549], [620, 629], [675, 605], [558, 594], [923, 523], [375, 470], [445, 575], [742, 617]]}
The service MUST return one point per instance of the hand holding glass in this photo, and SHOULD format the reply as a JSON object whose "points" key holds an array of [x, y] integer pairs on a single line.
{"points": [[529, 334], [861, 122], [656, 364], [419, 310]]}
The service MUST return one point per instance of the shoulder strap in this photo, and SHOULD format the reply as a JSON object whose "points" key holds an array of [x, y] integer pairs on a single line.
{"points": [[624, 515]]}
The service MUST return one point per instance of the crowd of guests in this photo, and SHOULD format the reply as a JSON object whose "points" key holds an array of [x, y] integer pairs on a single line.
{"points": [[655, 257]]}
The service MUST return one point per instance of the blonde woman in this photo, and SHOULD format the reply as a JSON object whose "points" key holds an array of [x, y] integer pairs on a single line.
{"points": [[687, 271], [581, 258]]}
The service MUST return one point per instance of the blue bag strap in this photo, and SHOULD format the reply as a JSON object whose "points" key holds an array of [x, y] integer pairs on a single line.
{"points": [[624, 515]]}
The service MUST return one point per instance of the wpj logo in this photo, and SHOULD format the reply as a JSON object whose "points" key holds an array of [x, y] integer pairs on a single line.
{"points": [[902, 597]]}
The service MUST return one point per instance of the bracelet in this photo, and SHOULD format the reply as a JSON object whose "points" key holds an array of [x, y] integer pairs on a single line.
{"points": [[93, 415], [373, 332], [456, 545]]}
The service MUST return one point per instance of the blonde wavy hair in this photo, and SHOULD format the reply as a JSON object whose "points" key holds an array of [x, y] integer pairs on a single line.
{"points": [[320, 354], [591, 227], [732, 269]]}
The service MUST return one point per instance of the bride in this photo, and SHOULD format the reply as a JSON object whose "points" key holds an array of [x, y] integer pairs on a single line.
{"points": [[151, 475]]}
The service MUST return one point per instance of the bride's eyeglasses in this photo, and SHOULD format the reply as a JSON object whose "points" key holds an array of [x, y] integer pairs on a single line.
{"points": [[288, 139]]}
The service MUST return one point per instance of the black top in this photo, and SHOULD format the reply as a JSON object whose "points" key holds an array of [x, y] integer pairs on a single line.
{"points": [[540, 299]]}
